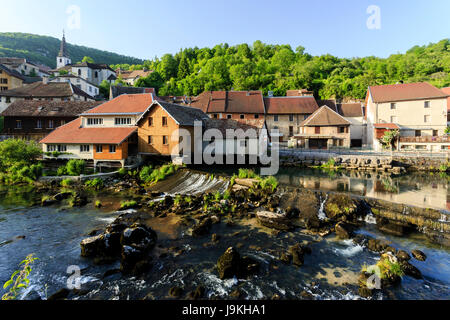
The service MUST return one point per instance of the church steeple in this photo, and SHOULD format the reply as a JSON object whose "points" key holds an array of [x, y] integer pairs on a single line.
{"points": [[63, 50], [63, 56]]}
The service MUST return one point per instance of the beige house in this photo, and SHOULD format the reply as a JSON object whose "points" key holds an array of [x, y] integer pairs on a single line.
{"points": [[324, 129], [286, 114], [419, 110]]}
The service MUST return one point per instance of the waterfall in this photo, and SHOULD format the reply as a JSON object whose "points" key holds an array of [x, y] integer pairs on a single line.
{"points": [[322, 215]]}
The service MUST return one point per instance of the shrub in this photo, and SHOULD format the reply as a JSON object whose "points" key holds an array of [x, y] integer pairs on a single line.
{"points": [[19, 279], [147, 175], [122, 172], [62, 171], [75, 167], [246, 174], [96, 184], [17, 161], [269, 183], [67, 183]]}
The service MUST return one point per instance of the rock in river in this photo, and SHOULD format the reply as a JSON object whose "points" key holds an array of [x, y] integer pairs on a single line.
{"points": [[419, 255], [274, 221], [343, 231], [230, 265]]}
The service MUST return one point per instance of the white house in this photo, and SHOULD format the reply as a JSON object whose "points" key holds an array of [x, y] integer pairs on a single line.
{"points": [[79, 82]]}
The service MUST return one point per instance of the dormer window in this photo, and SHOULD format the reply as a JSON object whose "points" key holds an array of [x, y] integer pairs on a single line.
{"points": [[122, 121], [94, 121]]}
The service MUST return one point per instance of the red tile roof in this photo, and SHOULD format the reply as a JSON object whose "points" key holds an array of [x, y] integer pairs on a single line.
{"points": [[32, 108], [391, 126], [325, 117], [447, 92], [405, 92], [71, 133], [291, 105], [350, 110], [41, 90], [126, 103], [230, 102]]}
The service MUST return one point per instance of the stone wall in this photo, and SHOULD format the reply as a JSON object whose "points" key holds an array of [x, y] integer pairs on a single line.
{"points": [[369, 162]]}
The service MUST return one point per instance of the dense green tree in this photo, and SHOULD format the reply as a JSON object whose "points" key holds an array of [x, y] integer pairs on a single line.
{"points": [[87, 59]]}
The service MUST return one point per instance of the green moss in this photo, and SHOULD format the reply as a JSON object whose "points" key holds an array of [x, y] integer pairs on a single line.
{"points": [[96, 184], [128, 204]]}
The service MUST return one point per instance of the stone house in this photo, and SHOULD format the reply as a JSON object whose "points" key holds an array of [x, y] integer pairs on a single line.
{"points": [[324, 129]]}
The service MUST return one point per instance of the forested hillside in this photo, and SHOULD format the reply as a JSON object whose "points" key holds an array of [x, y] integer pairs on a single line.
{"points": [[279, 68], [43, 49], [251, 67]]}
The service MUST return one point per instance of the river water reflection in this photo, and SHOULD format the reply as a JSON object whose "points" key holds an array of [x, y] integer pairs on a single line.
{"points": [[418, 189]]}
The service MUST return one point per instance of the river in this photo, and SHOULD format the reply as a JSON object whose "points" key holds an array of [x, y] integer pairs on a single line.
{"points": [[54, 233]]}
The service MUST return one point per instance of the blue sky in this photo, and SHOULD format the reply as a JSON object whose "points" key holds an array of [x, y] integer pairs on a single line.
{"points": [[146, 29]]}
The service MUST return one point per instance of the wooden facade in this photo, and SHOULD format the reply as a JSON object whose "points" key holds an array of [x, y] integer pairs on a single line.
{"points": [[155, 133], [111, 152], [32, 128]]}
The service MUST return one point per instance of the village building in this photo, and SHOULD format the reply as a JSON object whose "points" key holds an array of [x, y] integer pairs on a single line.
{"points": [[38, 91], [244, 106], [130, 77], [104, 134], [88, 87], [418, 110], [248, 141], [22, 66], [10, 78], [115, 91], [286, 114], [354, 113], [159, 128], [324, 129], [92, 72], [447, 92], [33, 120]]}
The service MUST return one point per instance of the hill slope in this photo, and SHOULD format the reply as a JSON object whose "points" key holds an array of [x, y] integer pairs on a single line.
{"points": [[43, 49], [279, 68]]}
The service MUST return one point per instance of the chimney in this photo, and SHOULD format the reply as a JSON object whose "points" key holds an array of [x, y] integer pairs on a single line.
{"points": [[45, 80]]}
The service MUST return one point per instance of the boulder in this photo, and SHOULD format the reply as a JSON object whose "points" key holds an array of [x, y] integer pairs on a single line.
{"points": [[274, 221], [297, 252], [419, 255], [410, 270], [403, 255], [60, 295], [202, 228], [377, 245], [93, 246], [228, 264], [343, 231], [139, 236], [250, 183]]}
